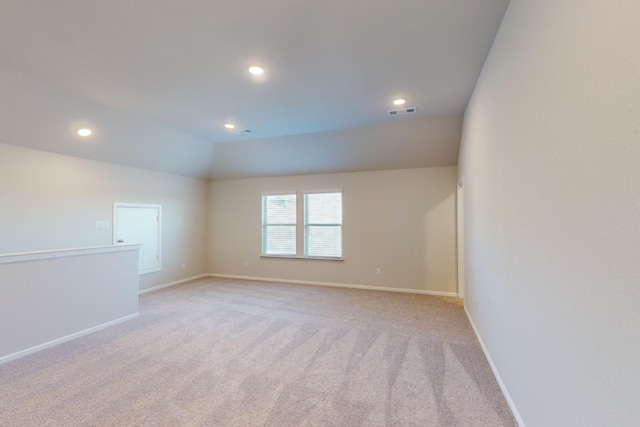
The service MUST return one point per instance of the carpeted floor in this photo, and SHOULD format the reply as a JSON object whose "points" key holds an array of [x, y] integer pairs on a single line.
{"points": [[217, 352]]}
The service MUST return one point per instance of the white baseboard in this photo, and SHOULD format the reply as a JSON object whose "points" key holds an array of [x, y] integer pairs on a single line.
{"points": [[55, 342], [336, 285], [505, 392], [166, 285]]}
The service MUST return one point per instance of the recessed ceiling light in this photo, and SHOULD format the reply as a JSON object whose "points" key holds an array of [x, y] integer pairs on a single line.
{"points": [[84, 132], [399, 101], [256, 70], [229, 126]]}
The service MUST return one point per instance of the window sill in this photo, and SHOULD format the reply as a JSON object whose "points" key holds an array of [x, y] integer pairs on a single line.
{"points": [[312, 258]]}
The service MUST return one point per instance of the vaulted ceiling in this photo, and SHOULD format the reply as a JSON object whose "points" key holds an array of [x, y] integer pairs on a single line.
{"points": [[156, 80]]}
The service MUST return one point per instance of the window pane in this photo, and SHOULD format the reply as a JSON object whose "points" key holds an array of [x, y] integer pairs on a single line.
{"points": [[324, 208], [280, 209], [280, 239], [323, 225], [279, 224], [324, 240]]}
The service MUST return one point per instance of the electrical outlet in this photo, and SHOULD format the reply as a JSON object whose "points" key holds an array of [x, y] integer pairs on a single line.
{"points": [[378, 271], [246, 263]]}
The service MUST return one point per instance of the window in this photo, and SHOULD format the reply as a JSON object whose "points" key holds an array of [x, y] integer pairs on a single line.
{"points": [[279, 224], [323, 225]]}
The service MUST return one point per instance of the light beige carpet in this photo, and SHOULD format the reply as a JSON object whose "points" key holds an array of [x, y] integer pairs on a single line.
{"points": [[220, 352]]}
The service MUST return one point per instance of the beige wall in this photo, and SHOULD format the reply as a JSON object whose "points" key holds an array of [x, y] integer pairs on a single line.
{"points": [[50, 201], [551, 164], [402, 221], [46, 297]]}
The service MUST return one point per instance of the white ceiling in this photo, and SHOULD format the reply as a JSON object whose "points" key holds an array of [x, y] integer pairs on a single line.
{"points": [[156, 79]]}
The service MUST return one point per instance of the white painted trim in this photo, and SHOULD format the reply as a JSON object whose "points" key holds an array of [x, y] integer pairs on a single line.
{"points": [[305, 192], [166, 285], [336, 285], [460, 245], [61, 253], [316, 258], [117, 205], [57, 341], [279, 193], [503, 387]]}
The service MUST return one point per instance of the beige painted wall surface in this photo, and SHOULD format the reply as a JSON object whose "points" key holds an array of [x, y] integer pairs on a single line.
{"points": [[402, 221], [551, 164], [53, 295], [51, 201]]}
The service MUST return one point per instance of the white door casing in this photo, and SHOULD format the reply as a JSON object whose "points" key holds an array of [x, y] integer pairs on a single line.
{"points": [[139, 223], [460, 236]]}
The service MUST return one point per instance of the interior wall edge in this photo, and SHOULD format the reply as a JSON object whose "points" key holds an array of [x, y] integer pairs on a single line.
{"points": [[335, 285], [52, 343], [167, 285], [496, 373]]}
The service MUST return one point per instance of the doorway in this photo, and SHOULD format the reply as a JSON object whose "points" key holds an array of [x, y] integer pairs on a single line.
{"points": [[138, 223]]}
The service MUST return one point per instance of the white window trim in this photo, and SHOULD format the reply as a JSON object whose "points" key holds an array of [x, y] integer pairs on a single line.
{"points": [[331, 190], [264, 225], [310, 258], [278, 193], [297, 224], [305, 225]]}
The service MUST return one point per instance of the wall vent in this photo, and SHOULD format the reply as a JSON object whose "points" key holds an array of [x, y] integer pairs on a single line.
{"points": [[402, 111]]}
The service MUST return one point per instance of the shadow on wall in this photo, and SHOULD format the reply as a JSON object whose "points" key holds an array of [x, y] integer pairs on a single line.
{"points": [[439, 243]]}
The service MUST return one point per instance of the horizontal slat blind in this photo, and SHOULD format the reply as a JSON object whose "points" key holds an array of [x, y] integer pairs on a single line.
{"points": [[279, 224], [323, 224]]}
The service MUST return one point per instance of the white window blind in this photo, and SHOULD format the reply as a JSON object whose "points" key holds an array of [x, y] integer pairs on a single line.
{"points": [[279, 224], [323, 225]]}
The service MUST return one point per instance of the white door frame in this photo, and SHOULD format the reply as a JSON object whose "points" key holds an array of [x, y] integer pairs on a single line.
{"points": [[460, 237], [159, 230]]}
